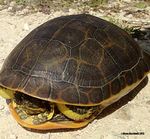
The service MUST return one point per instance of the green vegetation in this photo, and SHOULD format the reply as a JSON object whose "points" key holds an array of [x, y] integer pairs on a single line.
{"points": [[1, 1], [60, 3], [141, 5], [95, 3]]}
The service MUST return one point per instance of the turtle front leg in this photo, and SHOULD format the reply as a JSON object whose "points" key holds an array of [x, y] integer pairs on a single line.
{"points": [[77, 113]]}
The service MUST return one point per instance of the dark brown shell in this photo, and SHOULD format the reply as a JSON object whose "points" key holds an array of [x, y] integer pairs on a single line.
{"points": [[78, 59]]}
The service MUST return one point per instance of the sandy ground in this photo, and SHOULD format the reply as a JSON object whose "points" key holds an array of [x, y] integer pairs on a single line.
{"points": [[133, 117]]}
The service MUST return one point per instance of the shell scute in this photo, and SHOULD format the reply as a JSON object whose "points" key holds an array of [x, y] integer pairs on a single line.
{"points": [[77, 59]]}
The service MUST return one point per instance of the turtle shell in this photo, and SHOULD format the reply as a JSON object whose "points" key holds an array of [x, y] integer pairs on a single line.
{"points": [[77, 59]]}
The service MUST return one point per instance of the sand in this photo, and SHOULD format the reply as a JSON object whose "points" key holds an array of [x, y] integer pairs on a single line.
{"points": [[133, 117]]}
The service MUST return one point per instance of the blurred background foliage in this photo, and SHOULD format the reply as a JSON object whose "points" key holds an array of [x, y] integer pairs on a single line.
{"points": [[102, 6], [108, 8], [71, 3]]}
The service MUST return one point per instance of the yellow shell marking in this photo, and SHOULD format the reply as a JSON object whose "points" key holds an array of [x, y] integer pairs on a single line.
{"points": [[6, 93], [73, 115]]}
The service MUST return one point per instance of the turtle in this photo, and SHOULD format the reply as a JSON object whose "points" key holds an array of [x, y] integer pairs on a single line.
{"points": [[65, 72]]}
